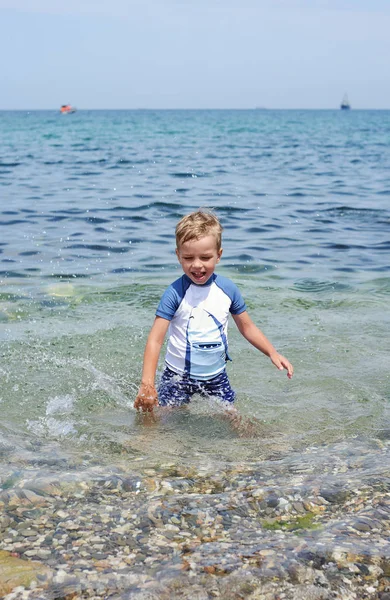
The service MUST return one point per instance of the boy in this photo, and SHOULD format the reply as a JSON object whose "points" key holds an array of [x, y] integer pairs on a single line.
{"points": [[196, 308]]}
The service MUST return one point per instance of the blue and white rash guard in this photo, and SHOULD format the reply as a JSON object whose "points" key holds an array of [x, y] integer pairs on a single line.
{"points": [[198, 316]]}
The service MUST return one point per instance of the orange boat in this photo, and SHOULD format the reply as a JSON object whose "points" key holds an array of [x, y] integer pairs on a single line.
{"points": [[67, 109]]}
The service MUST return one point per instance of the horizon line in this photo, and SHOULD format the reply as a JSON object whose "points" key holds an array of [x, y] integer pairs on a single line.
{"points": [[255, 108]]}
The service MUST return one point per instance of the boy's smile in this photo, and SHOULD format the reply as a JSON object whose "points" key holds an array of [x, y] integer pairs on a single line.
{"points": [[198, 258]]}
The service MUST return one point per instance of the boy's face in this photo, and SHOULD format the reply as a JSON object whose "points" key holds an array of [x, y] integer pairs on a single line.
{"points": [[198, 258]]}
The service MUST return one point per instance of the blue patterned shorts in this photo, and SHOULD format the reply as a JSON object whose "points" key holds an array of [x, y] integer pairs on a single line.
{"points": [[175, 390]]}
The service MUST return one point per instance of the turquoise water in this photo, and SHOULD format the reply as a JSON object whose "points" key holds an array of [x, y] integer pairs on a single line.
{"points": [[89, 203]]}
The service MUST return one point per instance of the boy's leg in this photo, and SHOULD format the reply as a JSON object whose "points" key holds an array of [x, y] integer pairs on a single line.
{"points": [[219, 387], [174, 390]]}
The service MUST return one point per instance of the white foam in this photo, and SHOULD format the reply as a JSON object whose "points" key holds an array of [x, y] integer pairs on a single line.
{"points": [[51, 427], [60, 404]]}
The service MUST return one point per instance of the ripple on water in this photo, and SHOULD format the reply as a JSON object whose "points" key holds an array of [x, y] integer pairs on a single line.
{"points": [[249, 267], [317, 286], [378, 287], [184, 175], [354, 213], [307, 304]]}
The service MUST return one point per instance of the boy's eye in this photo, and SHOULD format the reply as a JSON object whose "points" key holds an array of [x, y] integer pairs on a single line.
{"points": [[204, 258]]}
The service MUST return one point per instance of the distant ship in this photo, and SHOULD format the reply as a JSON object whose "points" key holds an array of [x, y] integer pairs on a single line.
{"points": [[67, 109], [345, 105]]}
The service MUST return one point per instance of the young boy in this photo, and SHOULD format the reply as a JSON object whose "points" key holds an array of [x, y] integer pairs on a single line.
{"points": [[196, 308]]}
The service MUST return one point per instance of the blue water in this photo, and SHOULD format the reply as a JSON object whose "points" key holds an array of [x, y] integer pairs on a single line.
{"points": [[89, 203], [96, 194], [88, 207]]}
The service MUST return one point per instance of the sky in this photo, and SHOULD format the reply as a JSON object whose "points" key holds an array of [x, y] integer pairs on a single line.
{"points": [[120, 54]]}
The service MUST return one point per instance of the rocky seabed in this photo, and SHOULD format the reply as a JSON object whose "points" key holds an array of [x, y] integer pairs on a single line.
{"points": [[311, 526]]}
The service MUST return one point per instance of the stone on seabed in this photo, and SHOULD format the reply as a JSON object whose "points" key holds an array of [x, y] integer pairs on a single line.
{"points": [[15, 572]]}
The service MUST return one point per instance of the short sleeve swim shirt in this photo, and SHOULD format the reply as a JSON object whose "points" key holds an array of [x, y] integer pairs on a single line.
{"points": [[198, 316]]}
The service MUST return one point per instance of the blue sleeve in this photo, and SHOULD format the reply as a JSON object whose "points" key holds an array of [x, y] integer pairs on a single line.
{"points": [[171, 298], [169, 304], [238, 305]]}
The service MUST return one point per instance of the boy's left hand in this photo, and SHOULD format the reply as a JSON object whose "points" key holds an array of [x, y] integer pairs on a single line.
{"points": [[281, 363]]}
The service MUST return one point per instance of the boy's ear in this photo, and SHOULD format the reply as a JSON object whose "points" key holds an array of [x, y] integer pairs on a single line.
{"points": [[219, 254], [177, 253]]}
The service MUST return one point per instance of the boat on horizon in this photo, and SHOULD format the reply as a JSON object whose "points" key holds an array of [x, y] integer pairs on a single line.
{"points": [[67, 109], [345, 105]]}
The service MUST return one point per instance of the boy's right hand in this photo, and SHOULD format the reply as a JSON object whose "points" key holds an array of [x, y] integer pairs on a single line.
{"points": [[147, 398]]}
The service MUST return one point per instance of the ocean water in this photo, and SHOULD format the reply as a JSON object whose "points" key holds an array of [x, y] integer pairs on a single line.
{"points": [[88, 206]]}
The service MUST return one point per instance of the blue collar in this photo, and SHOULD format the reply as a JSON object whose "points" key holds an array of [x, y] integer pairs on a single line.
{"points": [[200, 285]]}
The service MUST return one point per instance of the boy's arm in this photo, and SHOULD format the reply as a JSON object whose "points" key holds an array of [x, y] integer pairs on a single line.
{"points": [[253, 334], [147, 394]]}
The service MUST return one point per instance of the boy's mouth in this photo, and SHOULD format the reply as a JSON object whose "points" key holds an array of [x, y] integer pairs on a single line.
{"points": [[198, 276]]}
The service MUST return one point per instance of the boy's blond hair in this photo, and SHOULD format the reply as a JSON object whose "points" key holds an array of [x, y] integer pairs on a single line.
{"points": [[197, 225]]}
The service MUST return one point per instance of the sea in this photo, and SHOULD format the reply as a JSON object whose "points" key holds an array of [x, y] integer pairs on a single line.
{"points": [[88, 206]]}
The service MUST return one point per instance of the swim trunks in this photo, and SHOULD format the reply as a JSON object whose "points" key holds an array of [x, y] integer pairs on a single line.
{"points": [[176, 390]]}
